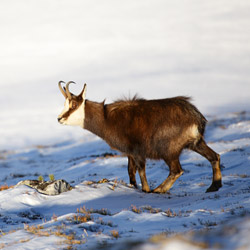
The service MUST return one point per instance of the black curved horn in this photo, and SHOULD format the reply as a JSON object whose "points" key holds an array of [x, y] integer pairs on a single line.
{"points": [[67, 89], [61, 89]]}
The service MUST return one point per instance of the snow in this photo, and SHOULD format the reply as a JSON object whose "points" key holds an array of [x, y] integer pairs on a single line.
{"points": [[157, 49], [136, 216]]}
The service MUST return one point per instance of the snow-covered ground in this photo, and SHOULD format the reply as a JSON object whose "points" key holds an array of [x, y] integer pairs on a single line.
{"points": [[156, 49], [99, 213]]}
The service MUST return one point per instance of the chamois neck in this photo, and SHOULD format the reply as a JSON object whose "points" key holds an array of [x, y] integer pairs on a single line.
{"points": [[94, 118]]}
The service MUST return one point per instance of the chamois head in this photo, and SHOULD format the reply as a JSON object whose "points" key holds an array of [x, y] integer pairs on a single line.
{"points": [[73, 112]]}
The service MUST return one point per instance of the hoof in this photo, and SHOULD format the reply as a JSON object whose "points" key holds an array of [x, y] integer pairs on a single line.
{"points": [[158, 191], [133, 184], [146, 190], [214, 187]]}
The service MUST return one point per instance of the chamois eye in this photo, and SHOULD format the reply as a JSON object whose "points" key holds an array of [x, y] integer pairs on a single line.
{"points": [[74, 105]]}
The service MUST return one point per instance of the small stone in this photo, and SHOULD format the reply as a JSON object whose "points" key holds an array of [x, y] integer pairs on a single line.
{"points": [[49, 188]]}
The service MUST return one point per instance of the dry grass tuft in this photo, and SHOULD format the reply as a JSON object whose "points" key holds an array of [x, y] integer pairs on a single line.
{"points": [[37, 230], [170, 213], [115, 234], [5, 187], [68, 239], [135, 209], [84, 210]]}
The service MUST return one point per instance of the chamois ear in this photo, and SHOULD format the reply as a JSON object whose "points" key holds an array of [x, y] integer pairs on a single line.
{"points": [[83, 93]]}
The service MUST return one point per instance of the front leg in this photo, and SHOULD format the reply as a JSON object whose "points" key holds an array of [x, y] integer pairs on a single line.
{"points": [[134, 164], [141, 166], [132, 171]]}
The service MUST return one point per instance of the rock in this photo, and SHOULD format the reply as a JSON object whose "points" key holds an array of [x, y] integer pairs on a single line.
{"points": [[49, 187]]}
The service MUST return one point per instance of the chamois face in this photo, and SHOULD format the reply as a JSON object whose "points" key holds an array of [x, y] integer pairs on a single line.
{"points": [[74, 108]]}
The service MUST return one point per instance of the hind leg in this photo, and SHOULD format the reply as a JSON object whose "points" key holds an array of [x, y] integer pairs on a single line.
{"points": [[132, 171], [175, 171], [214, 159]]}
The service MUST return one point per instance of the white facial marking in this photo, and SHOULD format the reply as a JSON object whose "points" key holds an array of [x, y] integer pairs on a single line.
{"points": [[65, 109], [76, 118]]}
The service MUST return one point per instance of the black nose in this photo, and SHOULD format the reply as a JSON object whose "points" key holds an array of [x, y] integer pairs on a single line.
{"points": [[59, 119]]}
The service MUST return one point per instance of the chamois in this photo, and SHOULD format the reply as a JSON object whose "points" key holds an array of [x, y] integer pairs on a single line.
{"points": [[141, 129]]}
